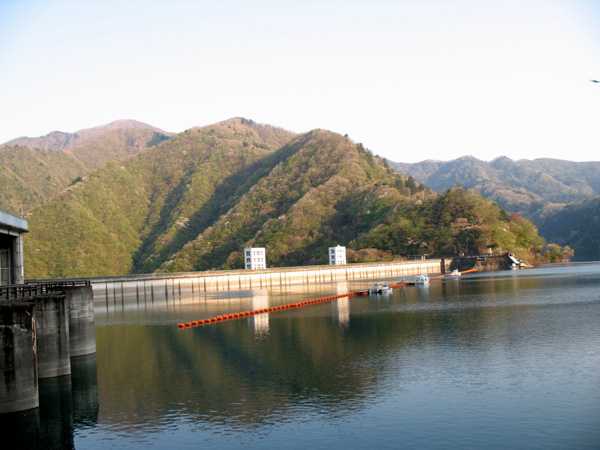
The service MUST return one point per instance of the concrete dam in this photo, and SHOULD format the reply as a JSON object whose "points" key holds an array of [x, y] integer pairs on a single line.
{"points": [[170, 284]]}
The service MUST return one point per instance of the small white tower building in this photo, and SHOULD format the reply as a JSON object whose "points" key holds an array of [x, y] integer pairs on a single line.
{"points": [[254, 258], [337, 255]]}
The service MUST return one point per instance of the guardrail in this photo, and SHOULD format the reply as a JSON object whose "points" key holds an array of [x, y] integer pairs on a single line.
{"points": [[19, 291]]}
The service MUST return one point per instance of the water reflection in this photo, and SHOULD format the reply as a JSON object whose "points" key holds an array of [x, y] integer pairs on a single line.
{"points": [[496, 351], [175, 301], [66, 403], [260, 322], [56, 413], [342, 310]]}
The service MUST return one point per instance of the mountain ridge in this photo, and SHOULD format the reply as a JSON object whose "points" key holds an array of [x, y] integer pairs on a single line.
{"points": [[554, 181], [544, 190], [60, 140], [30, 176], [194, 201]]}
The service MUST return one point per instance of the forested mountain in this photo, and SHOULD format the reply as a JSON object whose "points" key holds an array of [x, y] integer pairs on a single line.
{"points": [[576, 225], [195, 201], [110, 218], [522, 186], [58, 140], [545, 191], [30, 175]]}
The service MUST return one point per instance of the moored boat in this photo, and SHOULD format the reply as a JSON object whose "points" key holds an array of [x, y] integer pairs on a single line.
{"points": [[422, 279], [380, 289]]}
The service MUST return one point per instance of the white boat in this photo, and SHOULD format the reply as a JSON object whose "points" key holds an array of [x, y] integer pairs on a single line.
{"points": [[380, 289], [422, 279]]}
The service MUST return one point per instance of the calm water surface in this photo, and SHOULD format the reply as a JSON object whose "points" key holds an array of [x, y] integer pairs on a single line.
{"points": [[493, 360]]}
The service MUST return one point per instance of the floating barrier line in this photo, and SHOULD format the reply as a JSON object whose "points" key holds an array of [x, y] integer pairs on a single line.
{"points": [[243, 314]]}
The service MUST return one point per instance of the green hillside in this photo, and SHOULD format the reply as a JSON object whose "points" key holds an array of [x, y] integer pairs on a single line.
{"points": [[195, 201], [575, 225], [123, 215], [543, 190], [59, 140], [30, 176], [322, 190], [457, 221]]}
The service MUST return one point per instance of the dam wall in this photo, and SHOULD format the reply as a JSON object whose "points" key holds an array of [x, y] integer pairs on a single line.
{"points": [[170, 284]]}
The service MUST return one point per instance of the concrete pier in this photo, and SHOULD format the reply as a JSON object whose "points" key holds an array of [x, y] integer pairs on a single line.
{"points": [[18, 366], [66, 403], [38, 322], [52, 335], [82, 333]]}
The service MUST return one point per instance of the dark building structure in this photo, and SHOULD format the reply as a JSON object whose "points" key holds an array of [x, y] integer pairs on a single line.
{"points": [[12, 229]]}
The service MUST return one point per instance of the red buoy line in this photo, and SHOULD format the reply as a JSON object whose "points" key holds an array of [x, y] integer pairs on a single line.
{"points": [[240, 315], [243, 314]]}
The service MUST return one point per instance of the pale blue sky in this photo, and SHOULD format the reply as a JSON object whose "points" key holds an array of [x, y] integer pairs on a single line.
{"points": [[410, 79]]}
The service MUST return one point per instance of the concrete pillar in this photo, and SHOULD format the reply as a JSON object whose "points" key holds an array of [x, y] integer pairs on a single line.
{"points": [[18, 373], [82, 333], [18, 267], [52, 334]]}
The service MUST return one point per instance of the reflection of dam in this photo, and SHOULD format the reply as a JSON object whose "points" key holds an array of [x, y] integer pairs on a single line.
{"points": [[260, 323], [171, 285]]}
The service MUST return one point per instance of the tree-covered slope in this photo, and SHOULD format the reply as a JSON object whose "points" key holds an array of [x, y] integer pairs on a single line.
{"points": [[196, 201], [520, 186], [456, 221], [324, 190], [221, 163], [127, 214], [59, 140], [576, 225], [543, 190], [29, 176]]}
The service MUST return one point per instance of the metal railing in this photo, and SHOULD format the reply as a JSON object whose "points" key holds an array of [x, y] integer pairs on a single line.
{"points": [[20, 291]]}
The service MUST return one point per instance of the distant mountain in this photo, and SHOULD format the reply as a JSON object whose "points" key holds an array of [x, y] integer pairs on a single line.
{"points": [[58, 140], [29, 175], [194, 202], [517, 184], [576, 225], [539, 189]]}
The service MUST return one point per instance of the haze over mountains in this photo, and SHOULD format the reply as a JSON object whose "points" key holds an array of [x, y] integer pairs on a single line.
{"points": [[137, 200]]}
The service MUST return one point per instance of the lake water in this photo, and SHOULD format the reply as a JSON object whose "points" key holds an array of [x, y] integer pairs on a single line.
{"points": [[500, 360]]}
